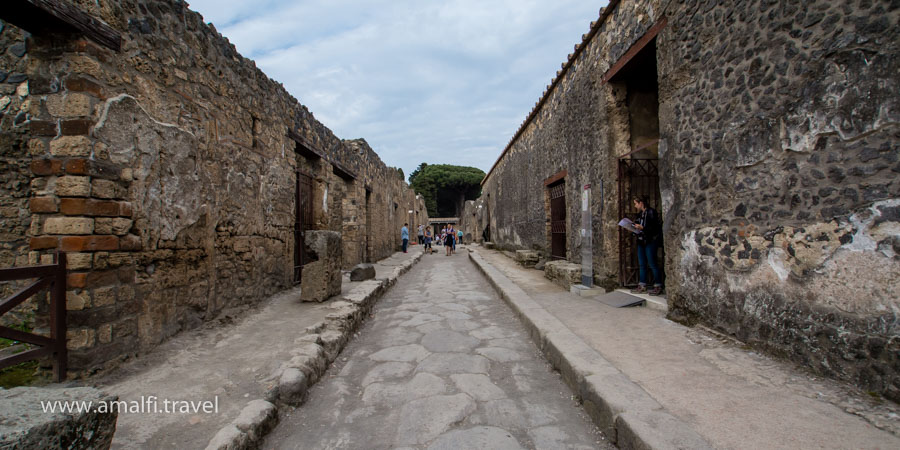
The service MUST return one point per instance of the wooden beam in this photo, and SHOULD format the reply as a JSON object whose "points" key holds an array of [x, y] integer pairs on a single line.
{"points": [[303, 147], [59, 16], [635, 49], [342, 171], [556, 177]]}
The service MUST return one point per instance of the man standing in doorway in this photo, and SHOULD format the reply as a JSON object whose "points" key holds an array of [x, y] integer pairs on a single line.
{"points": [[647, 244], [404, 234], [420, 235]]}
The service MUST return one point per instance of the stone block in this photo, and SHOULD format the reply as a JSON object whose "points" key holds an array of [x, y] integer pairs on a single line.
{"points": [[73, 186], [69, 225], [24, 425], [71, 104], [37, 147], [80, 338], [489, 245], [527, 258], [104, 334], [77, 300], [104, 296], [563, 273], [362, 272], [70, 146], [108, 189], [43, 205], [79, 261], [321, 278]]}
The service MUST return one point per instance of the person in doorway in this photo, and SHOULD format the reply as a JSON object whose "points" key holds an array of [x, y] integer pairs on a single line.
{"points": [[427, 241], [648, 241], [448, 243], [420, 236], [404, 235]]}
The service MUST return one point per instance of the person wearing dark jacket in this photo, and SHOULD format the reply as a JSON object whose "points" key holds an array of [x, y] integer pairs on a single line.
{"points": [[648, 241]]}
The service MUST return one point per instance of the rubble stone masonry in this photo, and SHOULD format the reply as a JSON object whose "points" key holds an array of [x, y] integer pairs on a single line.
{"points": [[779, 124], [166, 172]]}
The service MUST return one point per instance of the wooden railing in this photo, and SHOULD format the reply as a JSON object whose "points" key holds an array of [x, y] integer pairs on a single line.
{"points": [[53, 277]]}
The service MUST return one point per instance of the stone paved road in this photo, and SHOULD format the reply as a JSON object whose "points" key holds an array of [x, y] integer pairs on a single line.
{"points": [[443, 364]]}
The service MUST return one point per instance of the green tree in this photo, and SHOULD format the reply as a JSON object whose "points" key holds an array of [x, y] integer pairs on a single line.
{"points": [[446, 187], [416, 172]]}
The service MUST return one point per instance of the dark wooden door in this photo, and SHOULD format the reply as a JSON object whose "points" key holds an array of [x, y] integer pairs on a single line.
{"points": [[302, 221], [558, 220], [637, 177]]}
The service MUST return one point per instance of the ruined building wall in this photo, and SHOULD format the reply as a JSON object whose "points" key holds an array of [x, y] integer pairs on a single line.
{"points": [[779, 170], [164, 170]]}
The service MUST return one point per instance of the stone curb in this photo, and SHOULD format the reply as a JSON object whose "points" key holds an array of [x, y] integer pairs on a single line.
{"points": [[319, 348], [626, 413]]}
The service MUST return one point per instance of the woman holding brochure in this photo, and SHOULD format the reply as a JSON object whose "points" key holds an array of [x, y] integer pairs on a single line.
{"points": [[647, 232]]}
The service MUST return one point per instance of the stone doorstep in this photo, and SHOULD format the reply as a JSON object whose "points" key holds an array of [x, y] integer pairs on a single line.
{"points": [[260, 416], [657, 302], [584, 291], [629, 416]]}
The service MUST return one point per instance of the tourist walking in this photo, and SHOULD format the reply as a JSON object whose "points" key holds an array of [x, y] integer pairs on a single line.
{"points": [[648, 241], [404, 235], [420, 236], [459, 237], [427, 241], [450, 243]]}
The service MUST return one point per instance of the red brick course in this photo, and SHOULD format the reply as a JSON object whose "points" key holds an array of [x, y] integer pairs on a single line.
{"points": [[44, 167], [43, 205], [89, 207], [43, 242], [88, 243]]}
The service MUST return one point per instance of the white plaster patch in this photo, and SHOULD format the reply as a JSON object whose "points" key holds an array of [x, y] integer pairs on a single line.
{"points": [[776, 262]]}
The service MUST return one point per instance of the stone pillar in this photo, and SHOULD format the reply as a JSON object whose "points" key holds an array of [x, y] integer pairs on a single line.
{"points": [[321, 278]]}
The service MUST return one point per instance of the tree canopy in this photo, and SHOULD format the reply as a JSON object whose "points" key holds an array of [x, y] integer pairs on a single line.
{"points": [[446, 187]]}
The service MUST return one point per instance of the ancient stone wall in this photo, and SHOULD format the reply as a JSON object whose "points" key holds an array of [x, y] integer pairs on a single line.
{"points": [[166, 171], [778, 156]]}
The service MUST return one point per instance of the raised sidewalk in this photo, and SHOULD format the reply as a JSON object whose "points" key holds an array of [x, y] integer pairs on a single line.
{"points": [[648, 382], [251, 366]]}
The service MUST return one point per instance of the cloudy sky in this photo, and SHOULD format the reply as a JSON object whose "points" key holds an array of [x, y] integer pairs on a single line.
{"points": [[442, 82]]}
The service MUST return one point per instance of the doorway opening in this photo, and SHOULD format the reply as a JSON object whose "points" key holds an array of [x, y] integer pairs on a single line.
{"points": [[638, 168], [302, 221], [368, 255], [557, 192]]}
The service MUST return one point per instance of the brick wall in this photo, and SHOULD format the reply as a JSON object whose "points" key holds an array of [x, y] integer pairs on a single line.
{"points": [[166, 171]]}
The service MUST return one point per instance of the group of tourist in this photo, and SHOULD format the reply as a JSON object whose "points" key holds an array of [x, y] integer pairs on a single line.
{"points": [[448, 238]]}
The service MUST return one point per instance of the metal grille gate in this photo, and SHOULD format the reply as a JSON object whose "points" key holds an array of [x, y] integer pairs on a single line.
{"points": [[558, 220], [302, 221], [637, 177]]}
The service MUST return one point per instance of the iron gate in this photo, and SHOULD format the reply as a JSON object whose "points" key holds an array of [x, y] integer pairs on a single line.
{"points": [[302, 221], [637, 177], [558, 220]]}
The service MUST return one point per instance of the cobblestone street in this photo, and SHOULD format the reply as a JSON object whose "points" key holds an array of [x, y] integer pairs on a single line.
{"points": [[443, 363]]}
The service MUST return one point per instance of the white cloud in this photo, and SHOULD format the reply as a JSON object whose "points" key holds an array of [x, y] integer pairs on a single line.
{"points": [[433, 81]]}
